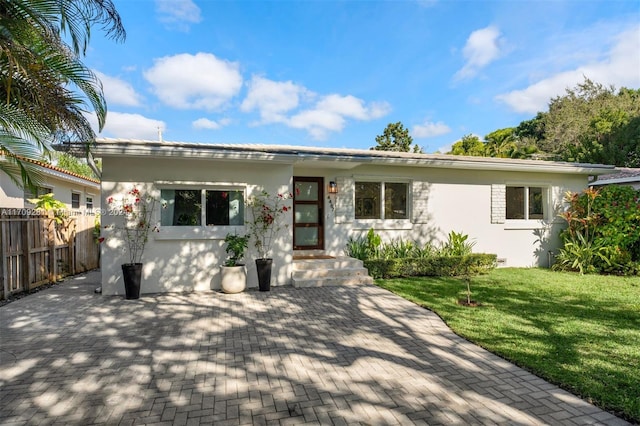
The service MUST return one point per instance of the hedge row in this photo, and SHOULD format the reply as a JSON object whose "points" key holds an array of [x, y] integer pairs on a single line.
{"points": [[444, 266]]}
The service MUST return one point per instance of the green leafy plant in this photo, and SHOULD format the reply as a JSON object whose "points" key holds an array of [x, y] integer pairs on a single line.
{"points": [[49, 203], [398, 248], [602, 231], [580, 254], [236, 246], [457, 244]]}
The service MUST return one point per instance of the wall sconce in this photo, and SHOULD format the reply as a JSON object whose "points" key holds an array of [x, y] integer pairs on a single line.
{"points": [[332, 190]]}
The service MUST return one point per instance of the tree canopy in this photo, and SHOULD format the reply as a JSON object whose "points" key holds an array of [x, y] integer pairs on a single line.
{"points": [[396, 138], [591, 123], [46, 88]]}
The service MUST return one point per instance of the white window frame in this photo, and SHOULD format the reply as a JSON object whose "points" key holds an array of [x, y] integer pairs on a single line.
{"points": [[202, 231], [79, 194], [526, 222], [89, 205], [381, 223]]}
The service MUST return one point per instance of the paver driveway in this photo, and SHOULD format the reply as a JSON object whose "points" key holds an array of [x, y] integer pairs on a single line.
{"points": [[338, 355]]}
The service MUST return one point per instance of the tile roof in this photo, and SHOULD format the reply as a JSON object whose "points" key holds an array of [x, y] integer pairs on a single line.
{"points": [[59, 169]]}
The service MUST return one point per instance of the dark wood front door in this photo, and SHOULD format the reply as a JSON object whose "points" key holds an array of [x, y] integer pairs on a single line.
{"points": [[308, 223]]}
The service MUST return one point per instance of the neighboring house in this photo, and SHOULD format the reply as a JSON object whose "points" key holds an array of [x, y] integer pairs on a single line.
{"points": [[508, 207], [79, 193], [621, 176]]}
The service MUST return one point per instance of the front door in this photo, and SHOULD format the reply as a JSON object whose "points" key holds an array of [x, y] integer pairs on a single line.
{"points": [[308, 200]]}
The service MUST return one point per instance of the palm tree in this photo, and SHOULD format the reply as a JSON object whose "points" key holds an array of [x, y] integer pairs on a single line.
{"points": [[45, 87]]}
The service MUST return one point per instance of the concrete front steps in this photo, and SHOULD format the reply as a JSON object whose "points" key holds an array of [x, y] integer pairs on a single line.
{"points": [[310, 271]]}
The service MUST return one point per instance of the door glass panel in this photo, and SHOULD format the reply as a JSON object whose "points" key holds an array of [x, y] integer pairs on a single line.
{"points": [[306, 237], [306, 213], [307, 191]]}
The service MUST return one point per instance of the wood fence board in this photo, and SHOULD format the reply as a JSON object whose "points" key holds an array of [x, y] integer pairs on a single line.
{"points": [[35, 251]]}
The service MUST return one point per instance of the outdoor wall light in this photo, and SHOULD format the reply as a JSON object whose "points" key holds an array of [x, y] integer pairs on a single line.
{"points": [[332, 190]]}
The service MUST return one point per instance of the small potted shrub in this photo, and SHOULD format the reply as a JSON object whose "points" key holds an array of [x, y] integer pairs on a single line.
{"points": [[233, 273]]}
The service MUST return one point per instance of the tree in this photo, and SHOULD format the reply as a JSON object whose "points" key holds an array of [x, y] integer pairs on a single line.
{"points": [[46, 88], [500, 143], [593, 123], [73, 164], [396, 138], [469, 145]]}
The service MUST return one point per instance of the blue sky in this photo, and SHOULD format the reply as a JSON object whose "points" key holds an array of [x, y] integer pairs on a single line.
{"points": [[335, 73]]}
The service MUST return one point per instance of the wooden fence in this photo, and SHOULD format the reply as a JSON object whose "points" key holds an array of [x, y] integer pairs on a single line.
{"points": [[36, 250]]}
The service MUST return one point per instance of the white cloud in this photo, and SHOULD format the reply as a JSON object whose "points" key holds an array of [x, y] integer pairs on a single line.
{"points": [[129, 126], [290, 104], [482, 48], [430, 129], [118, 92], [330, 113], [199, 81], [178, 14], [350, 106], [205, 123], [318, 123], [273, 99], [619, 68]]}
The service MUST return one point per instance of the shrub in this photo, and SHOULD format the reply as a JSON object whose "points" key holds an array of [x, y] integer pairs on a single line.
{"points": [[603, 231], [445, 266]]}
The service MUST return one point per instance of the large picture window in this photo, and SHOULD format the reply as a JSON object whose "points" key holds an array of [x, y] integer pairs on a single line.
{"points": [[525, 202], [381, 200], [194, 207]]}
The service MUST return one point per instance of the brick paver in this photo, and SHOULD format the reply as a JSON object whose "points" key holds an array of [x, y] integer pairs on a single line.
{"points": [[334, 355]]}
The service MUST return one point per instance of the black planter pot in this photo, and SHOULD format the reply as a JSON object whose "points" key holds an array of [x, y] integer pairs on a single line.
{"points": [[132, 274], [264, 273]]}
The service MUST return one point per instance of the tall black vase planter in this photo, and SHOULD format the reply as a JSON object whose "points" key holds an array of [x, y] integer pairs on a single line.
{"points": [[264, 273], [132, 274]]}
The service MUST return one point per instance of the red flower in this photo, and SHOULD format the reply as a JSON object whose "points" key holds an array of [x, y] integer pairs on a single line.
{"points": [[101, 239]]}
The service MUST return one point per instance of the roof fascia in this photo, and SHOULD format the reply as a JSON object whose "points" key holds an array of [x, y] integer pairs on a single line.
{"points": [[118, 147]]}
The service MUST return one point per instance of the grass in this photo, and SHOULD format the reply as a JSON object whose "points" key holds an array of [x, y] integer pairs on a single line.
{"points": [[581, 332]]}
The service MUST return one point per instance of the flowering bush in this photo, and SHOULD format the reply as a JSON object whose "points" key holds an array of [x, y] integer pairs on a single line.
{"points": [[268, 213], [137, 209]]}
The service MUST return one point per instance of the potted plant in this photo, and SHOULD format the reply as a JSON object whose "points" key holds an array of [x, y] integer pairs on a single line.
{"points": [[136, 210], [233, 274], [268, 213]]}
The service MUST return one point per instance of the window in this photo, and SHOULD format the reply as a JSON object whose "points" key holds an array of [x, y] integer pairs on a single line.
{"points": [[75, 200], [525, 203], [89, 203], [381, 200], [193, 207]]}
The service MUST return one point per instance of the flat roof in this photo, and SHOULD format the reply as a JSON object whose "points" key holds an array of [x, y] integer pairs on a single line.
{"points": [[330, 157]]}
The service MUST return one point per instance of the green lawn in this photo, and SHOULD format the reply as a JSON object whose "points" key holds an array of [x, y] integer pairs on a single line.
{"points": [[579, 332]]}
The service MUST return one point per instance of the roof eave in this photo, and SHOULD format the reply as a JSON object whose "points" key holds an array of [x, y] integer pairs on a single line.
{"points": [[297, 155]]}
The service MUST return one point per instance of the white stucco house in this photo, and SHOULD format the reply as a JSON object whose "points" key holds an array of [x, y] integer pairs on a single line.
{"points": [[79, 193], [508, 207]]}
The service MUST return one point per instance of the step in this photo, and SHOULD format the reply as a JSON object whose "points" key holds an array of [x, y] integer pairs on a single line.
{"points": [[320, 272], [337, 263], [328, 273], [331, 281]]}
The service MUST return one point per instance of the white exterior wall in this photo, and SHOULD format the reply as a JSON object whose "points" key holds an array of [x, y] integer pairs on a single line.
{"points": [[441, 200], [455, 200], [12, 196], [188, 258]]}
